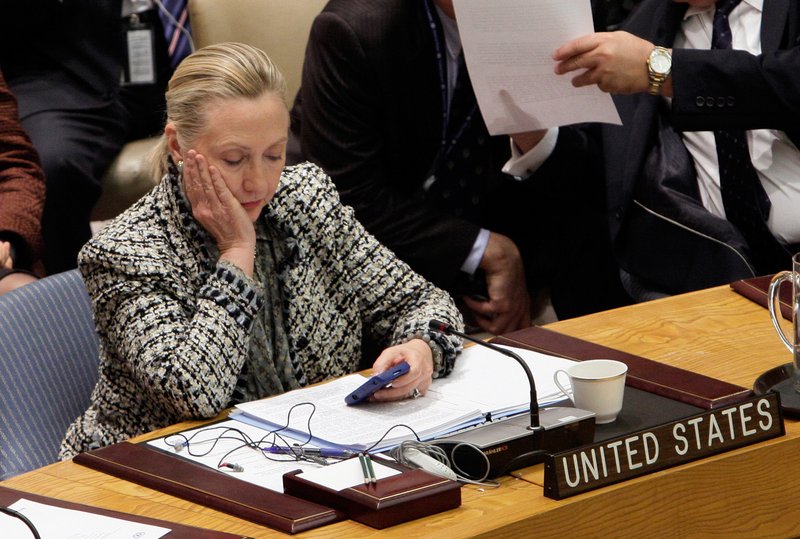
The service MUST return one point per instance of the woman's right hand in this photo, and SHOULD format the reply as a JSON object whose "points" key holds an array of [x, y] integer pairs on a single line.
{"points": [[218, 211]]}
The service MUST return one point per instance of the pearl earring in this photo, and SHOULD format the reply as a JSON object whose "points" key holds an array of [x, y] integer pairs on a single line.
{"points": [[180, 166]]}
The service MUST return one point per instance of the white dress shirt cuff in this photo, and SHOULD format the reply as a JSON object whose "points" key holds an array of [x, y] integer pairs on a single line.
{"points": [[522, 166], [476, 254]]}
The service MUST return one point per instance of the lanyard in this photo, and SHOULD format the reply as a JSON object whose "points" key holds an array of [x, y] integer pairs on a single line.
{"points": [[441, 64]]}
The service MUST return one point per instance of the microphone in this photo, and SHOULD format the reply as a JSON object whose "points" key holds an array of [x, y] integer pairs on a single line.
{"points": [[441, 327], [495, 447]]}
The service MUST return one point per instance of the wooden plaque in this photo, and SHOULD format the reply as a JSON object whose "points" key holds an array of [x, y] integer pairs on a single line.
{"points": [[684, 440]]}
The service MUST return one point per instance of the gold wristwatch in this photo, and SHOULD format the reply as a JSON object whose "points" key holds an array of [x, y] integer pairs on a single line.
{"points": [[659, 66]]}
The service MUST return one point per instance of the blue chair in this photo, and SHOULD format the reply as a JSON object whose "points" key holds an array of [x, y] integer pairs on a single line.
{"points": [[48, 367]]}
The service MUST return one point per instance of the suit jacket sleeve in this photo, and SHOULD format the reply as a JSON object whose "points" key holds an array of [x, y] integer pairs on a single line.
{"points": [[343, 132], [395, 304], [21, 183], [732, 89]]}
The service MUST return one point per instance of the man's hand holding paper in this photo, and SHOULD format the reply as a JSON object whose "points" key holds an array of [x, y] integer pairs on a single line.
{"points": [[508, 45], [614, 61]]}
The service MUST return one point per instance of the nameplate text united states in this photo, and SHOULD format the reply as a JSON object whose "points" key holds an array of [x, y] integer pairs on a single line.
{"points": [[639, 453]]}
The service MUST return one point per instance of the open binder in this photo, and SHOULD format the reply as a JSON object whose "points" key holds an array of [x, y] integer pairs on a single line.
{"points": [[481, 388]]}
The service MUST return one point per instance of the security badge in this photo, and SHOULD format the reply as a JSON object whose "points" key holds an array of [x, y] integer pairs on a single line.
{"points": [[140, 67]]}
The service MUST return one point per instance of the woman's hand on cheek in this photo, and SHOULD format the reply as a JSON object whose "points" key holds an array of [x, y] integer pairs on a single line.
{"points": [[419, 357], [218, 211]]}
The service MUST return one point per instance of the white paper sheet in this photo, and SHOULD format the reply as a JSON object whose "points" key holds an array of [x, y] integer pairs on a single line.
{"points": [[483, 382], [497, 383], [261, 470], [360, 426], [59, 523], [347, 473], [508, 46]]}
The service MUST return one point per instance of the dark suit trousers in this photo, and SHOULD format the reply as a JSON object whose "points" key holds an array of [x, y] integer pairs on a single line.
{"points": [[76, 147]]}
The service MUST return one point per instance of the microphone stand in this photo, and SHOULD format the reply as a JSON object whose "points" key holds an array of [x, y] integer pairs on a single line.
{"points": [[488, 450], [447, 329]]}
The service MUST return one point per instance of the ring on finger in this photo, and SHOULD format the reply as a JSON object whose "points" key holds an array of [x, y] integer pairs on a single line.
{"points": [[415, 393]]}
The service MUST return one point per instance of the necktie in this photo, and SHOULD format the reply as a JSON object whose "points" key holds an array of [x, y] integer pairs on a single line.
{"points": [[721, 35], [746, 203], [178, 41]]}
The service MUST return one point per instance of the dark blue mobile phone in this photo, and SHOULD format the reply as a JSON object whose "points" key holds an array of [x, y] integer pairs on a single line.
{"points": [[376, 382]]}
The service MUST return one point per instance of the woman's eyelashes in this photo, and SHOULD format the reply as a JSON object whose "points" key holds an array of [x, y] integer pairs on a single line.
{"points": [[234, 162]]}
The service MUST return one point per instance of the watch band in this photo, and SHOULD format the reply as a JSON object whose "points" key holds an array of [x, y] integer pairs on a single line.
{"points": [[654, 83]]}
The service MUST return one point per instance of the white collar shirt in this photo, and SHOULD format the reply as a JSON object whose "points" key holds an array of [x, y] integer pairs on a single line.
{"points": [[774, 156]]}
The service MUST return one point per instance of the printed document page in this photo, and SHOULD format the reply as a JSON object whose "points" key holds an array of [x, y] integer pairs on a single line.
{"points": [[508, 46], [497, 383], [321, 412], [226, 442], [59, 523], [482, 382]]}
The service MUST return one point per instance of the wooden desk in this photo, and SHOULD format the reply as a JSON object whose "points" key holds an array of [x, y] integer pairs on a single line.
{"points": [[750, 492]]}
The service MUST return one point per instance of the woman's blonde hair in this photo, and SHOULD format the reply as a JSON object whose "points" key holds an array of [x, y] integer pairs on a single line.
{"points": [[221, 71]]}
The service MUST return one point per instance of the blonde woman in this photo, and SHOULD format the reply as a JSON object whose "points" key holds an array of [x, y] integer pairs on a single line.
{"points": [[237, 278]]}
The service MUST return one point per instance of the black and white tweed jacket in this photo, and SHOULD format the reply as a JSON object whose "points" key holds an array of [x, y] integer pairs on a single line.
{"points": [[174, 324]]}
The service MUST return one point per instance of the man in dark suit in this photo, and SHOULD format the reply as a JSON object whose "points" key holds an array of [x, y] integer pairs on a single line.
{"points": [[382, 109], [64, 60], [726, 69]]}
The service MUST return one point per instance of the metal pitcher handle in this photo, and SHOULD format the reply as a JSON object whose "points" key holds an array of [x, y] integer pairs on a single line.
{"points": [[774, 287]]}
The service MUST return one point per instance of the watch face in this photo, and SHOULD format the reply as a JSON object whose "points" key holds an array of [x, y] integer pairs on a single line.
{"points": [[660, 62]]}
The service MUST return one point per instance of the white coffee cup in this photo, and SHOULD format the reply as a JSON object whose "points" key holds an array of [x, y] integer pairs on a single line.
{"points": [[597, 385]]}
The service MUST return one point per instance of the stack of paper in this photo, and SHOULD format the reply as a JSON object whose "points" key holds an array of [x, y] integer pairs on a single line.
{"points": [[483, 385], [319, 415], [497, 384]]}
